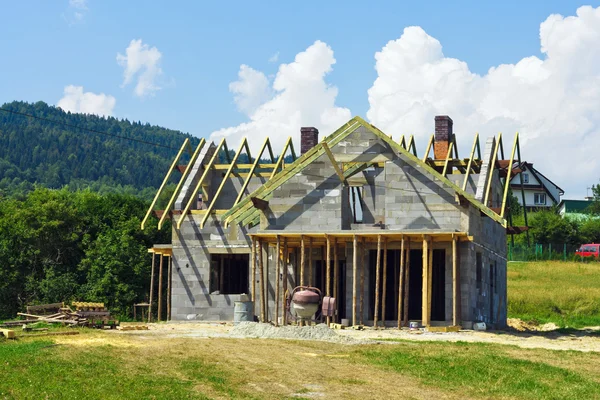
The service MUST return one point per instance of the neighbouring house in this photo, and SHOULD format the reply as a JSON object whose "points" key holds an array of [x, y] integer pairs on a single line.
{"points": [[540, 192], [393, 236], [575, 209]]}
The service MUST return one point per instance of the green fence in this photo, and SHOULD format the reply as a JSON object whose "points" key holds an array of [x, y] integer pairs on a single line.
{"points": [[557, 251]]}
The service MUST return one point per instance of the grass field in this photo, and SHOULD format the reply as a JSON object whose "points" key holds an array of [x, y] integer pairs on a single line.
{"points": [[566, 293], [112, 366]]}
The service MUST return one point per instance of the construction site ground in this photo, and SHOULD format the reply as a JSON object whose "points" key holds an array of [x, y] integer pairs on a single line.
{"points": [[220, 361]]}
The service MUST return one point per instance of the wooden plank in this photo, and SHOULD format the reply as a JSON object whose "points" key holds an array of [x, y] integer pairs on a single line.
{"points": [[384, 289], [469, 165], [425, 285], [151, 290], [336, 167], [354, 277], [261, 273], [362, 281], [456, 320], [302, 260], [42, 309], [169, 288], [279, 163], [253, 273], [164, 182], [285, 281], [428, 148], [377, 282], [448, 158], [252, 169], [401, 284], [490, 176], [277, 275], [444, 329], [508, 176], [310, 262], [429, 281], [406, 282], [328, 276], [160, 281]]}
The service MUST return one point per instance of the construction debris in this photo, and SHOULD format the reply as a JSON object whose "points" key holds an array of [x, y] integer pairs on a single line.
{"points": [[91, 315], [133, 328], [7, 333]]}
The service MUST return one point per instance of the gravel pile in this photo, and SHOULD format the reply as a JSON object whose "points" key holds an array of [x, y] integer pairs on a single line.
{"points": [[264, 331]]}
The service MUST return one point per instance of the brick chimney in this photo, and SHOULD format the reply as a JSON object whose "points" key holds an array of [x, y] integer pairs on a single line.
{"points": [[443, 136], [309, 138]]}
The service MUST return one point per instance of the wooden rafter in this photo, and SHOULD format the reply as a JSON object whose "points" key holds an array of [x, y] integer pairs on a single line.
{"points": [[509, 174], [253, 168], [207, 168], [243, 145], [180, 183], [428, 148], [173, 167], [470, 164], [411, 144], [338, 171], [491, 171], [448, 158], [288, 145]]}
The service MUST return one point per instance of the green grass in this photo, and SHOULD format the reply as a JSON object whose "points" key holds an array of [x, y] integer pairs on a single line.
{"points": [[565, 293], [41, 369], [496, 371]]}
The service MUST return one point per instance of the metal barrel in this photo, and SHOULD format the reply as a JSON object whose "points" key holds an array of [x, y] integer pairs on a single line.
{"points": [[243, 311]]}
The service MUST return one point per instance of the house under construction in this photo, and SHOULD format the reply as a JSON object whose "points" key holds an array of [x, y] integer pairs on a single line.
{"points": [[392, 235]]}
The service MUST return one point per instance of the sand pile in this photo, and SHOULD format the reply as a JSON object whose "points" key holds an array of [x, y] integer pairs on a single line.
{"points": [[523, 326], [264, 331]]}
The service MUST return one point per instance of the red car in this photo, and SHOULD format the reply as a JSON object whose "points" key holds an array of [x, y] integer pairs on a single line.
{"points": [[589, 250]]}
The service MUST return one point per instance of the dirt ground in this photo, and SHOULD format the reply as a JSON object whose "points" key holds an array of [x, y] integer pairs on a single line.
{"points": [[526, 337]]}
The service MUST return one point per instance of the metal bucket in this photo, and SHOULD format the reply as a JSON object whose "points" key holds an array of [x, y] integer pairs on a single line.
{"points": [[243, 311]]}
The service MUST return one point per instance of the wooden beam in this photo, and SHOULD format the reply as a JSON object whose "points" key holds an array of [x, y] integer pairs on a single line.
{"points": [[151, 290], [488, 187], [384, 283], [354, 277], [164, 182], [469, 165], [253, 274], [243, 145], [425, 284], [456, 320], [310, 262], [302, 260], [277, 275], [180, 183], [429, 281], [207, 169], [160, 281], [377, 282], [362, 281], [328, 277], [336, 167], [401, 284], [261, 272], [428, 148], [336, 274], [448, 158], [509, 175], [406, 282], [285, 281], [252, 169], [169, 287]]}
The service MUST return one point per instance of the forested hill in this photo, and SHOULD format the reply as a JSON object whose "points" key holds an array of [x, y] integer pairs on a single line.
{"points": [[34, 151]]}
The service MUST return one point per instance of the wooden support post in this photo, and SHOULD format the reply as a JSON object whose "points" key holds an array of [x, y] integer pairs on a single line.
{"points": [[261, 273], [302, 260], [362, 280], [285, 281], [253, 275], [169, 287], [354, 277], [310, 262], [277, 276], [221, 273], [151, 290], [429, 280], [377, 273], [384, 283], [401, 284], [456, 319], [425, 285], [160, 281], [406, 281], [328, 276], [336, 277]]}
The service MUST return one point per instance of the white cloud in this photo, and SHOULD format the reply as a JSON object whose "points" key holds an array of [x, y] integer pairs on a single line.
{"points": [[274, 58], [141, 62], [76, 100], [76, 12], [553, 102], [299, 96]]}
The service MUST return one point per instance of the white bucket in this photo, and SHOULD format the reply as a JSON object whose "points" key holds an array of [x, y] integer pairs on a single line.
{"points": [[413, 325]]}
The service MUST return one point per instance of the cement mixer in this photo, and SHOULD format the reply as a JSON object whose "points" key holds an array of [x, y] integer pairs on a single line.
{"points": [[305, 301]]}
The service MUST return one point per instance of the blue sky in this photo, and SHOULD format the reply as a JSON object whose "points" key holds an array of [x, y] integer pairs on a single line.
{"points": [[49, 45]]}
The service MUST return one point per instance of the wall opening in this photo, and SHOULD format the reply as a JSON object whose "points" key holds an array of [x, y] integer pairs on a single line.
{"points": [[229, 273]]}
